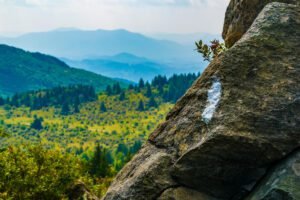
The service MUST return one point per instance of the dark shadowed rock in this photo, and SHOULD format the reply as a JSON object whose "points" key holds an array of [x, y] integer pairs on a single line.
{"points": [[282, 182], [238, 119], [240, 15], [257, 121], [79, 191], [181, 193]]}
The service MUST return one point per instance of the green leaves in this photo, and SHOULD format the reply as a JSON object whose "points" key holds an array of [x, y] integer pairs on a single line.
{"points": [[3, 133], [33, 172], [211, 51]]}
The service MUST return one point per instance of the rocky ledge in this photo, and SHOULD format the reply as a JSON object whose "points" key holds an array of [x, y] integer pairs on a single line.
{"points": [[235, 134]]}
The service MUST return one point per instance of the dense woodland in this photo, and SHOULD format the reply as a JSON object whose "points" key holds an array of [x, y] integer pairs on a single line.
{"points": [[80, 134]]}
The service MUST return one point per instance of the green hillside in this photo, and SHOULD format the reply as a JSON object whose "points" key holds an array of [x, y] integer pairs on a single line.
{"points": [[100, 132], [22, 71]]}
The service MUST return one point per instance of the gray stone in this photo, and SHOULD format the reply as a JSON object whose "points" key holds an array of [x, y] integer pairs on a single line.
{"points": [[255, 124], [240, 15], [144, 177], [282, 182], [257, 121], [182, 193]]}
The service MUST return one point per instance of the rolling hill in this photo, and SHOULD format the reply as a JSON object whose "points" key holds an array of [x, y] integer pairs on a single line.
{"points": [[22, 71]]}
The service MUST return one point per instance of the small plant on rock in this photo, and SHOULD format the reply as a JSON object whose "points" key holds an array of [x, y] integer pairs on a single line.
{"points": [[211, 51]]}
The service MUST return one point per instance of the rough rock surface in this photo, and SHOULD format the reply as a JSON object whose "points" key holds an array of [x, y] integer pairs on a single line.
{"points": [[255, 124], [145, 177], [282, 182], [240, 15], [181, 193], [79, 191]]}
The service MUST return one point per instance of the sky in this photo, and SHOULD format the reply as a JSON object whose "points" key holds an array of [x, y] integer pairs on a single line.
{"points": [[143, 16]]}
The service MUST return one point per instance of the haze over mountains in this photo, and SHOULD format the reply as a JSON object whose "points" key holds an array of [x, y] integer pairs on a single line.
{"points": [[100, 51], [131, 67]]}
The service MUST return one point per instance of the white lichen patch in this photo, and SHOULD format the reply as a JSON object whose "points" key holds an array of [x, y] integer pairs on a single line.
{"points": [[213, 99]]}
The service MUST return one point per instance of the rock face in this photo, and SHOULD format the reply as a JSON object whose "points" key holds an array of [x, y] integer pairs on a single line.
{"points": [[238, 119], [282, 182], [79, 191], [240, 15], [180, 193]]}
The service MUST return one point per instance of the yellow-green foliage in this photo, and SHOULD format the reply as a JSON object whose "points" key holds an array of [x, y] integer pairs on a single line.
{"points": [[36, 173], [121, 124]]}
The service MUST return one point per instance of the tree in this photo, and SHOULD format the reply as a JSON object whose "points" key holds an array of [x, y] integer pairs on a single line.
{"points": [[76, 105], [141, 83], [149, 90], [99, 165], [65, 109], [15, 100], [108, 90], [140, 106], [117, 88], [37, 123], [103, 107], [122, 148], [2, 102], [136, 146], [122, 96], [130, 87], [152, 103], [34, 172]]}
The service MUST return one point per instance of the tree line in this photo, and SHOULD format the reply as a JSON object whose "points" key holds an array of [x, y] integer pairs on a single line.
{"points": [[62, 96], [170, 89]]}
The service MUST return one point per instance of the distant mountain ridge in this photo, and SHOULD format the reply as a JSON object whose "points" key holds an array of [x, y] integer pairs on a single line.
{"points": [[117, 53], [131, 67], [22, 71], [79, 44]]}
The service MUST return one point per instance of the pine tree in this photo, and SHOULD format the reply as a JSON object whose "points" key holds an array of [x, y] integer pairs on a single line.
{"points": [[152, 103], [2, 102], [37, 123], [116, 88], [108, 90], [103, 107], [130, 87], [65, 109], [141, 83], [141, 106], [99, 166], [122, 96], [149, 90]]}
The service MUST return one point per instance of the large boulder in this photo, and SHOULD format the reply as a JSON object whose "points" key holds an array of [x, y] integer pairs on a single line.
{"points": [[238, 119], [282, 182], [145, 177], [181, 193], [240, 15]]}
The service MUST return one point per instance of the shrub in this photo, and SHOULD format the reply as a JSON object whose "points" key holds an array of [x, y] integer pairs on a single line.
{"points": [[210, 51], [36, 173]]}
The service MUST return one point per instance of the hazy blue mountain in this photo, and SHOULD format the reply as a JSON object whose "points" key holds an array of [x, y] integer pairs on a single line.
{"points": [[132, 67], [22, 71], [79, 44]]}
